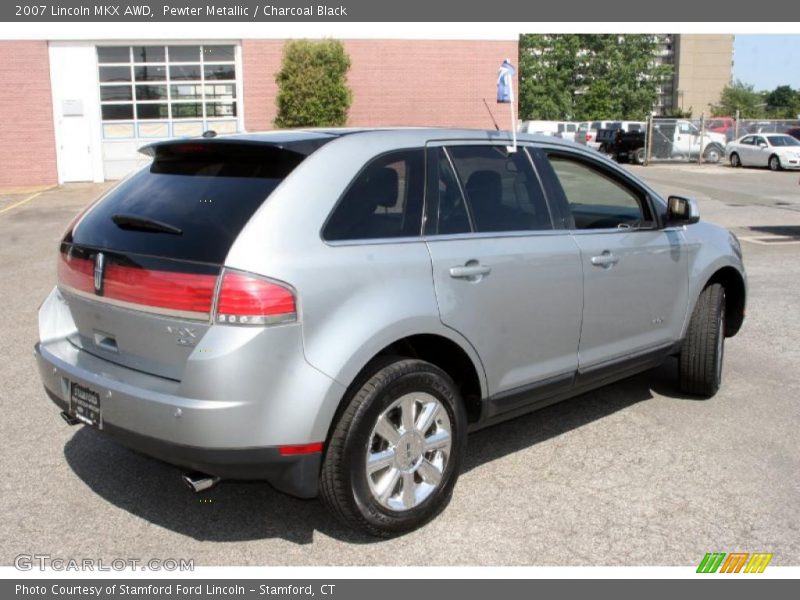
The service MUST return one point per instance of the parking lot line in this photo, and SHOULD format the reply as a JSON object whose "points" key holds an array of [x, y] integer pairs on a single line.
{"points": [[25, 200]]}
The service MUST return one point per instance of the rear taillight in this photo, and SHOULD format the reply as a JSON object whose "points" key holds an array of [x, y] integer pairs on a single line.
{"points": [[588, 137], [242, 299], [182, 294], [176, 292], [246, 299], [76, 273]]}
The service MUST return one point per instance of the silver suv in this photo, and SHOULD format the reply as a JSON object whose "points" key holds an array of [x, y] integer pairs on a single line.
{"points": [[332, 311]]}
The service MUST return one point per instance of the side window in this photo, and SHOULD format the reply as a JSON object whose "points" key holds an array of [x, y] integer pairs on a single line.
{"points": [[760, 140], [748, 140], [501, 189], [384, 201], [453, 214], [596, 200]]}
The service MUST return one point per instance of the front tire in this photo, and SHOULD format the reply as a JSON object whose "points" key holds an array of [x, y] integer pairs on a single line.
{"points": [[395, 453], [702, 350], [639, 156]]}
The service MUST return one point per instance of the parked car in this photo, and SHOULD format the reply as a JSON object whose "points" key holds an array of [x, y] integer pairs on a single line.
{"points": [[567, 130], [794, 132], [622, 146], [776, 151], [540, 127], [724, 125], [333, 310], [587, 132]]}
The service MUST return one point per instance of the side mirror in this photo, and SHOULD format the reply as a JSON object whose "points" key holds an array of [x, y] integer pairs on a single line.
{"points": [[762, 145], [682, 211]]}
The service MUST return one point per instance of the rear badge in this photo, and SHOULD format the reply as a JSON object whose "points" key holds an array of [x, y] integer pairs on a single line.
{"points": [[184, 336], [99, 266]]}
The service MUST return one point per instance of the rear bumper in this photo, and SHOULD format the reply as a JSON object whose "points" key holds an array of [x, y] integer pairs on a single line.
{"points": [[297, 475]]}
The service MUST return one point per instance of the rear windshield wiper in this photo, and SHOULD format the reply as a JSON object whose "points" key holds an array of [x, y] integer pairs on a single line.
{"points": [[137, 223]]}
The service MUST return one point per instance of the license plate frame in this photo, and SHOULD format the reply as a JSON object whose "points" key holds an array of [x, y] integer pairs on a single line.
{"points": [[84, 405]]}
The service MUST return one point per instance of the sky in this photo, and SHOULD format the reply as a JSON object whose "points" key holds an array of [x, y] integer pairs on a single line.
{"points": [[767, 61]]}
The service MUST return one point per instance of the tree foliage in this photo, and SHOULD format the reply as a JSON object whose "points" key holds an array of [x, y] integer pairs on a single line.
{"points": [[742, 97], [585, 77], [783, 102], [312, 84]]}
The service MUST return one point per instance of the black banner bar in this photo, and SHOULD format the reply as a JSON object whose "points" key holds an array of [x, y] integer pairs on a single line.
{"points": [[396, 589]]}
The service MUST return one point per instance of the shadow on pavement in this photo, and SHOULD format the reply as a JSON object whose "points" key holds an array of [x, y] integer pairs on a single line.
{"points": [[241, 511]]}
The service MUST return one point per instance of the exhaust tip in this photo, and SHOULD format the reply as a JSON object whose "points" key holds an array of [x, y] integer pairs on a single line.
{"points": [[69, 418], [199, 482]]}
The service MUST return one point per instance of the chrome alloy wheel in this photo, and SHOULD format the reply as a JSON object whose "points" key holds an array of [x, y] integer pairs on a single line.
{"points": [[408, 451]]}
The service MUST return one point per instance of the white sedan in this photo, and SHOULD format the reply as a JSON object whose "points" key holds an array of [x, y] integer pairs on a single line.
{"points": [[774, 150]]}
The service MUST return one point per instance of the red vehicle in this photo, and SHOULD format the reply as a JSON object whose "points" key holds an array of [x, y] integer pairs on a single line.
{"points": [[720, 124]]}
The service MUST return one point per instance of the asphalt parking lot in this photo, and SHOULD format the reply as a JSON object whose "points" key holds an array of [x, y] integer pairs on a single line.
{"points": [[631, 474]]}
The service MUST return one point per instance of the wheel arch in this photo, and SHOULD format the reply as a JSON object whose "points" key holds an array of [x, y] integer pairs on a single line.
{"points": [[735, 297], [456, 358]]}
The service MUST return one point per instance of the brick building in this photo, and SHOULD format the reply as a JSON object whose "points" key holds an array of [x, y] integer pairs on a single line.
{"points": [[78, 111]]}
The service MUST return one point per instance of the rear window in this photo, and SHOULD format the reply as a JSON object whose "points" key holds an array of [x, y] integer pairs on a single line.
{"points": [[189, 204]]}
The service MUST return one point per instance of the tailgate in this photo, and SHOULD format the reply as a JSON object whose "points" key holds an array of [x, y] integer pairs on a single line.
{"points": [[144, 313]]}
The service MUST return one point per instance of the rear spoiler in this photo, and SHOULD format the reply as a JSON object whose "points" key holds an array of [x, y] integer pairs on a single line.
{"points": [[232, 146]]}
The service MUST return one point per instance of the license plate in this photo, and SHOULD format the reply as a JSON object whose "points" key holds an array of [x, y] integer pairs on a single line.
{"points": [[84, 405]]}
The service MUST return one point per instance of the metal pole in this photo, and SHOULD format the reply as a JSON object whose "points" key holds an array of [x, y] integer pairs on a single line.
{"points": [[736, 126], [649, 141], [513, 114], [702, 137]]}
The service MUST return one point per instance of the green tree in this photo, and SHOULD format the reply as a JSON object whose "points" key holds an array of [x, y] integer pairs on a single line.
{"points": [[549, 76], [679, 113], [584, 77], [742, 97], [312, 84], [783, 102]]}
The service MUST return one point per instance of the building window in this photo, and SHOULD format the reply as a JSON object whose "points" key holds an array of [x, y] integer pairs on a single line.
{"points": [[164, 91]]}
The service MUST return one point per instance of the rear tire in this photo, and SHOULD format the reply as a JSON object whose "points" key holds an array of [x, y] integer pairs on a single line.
{"points": [[639, 156], [385, 472], [775, 163], [702, 350], [735, 162]]}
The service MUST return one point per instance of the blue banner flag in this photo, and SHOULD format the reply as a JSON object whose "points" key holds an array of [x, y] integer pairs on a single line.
{"points": [[504, 75]]}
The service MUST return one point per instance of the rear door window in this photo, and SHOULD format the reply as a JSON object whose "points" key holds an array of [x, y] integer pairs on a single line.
{"points": [[501, 189], [384, 201], [189, 204]]}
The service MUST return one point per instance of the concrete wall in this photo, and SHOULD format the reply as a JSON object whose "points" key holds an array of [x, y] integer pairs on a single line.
{"points": [[27, 151], [395, 82], [703, 67]]}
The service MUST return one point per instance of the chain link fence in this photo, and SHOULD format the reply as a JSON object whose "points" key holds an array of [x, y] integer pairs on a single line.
{"points": [[684, 140], [699, 140], [668, 139]]}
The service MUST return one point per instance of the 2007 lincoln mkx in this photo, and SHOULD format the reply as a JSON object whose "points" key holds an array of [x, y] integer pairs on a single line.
{"points": [[333, 310]]}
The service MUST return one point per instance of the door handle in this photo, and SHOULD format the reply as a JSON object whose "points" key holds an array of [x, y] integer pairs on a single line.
{"points": [[605, 260], [470, 271]]}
